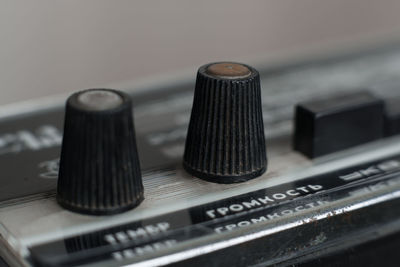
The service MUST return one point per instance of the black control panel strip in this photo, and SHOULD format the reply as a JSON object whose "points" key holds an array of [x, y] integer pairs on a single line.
{"points": [[139, 238]]}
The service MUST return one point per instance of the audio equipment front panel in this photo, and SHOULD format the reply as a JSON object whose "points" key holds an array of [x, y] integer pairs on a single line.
{"points": [[322, 191]]}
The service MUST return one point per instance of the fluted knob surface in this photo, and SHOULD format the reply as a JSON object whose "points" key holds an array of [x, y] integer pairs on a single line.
{"points": [[225, 141], [99, 165]]}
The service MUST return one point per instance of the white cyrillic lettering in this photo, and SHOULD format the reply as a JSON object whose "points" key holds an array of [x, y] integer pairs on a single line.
{"points": [[279, 196], [244, 223], [211, 213], [310, 205], [287, 212], [163, 226], [351, 176], [370, 171], [265, 200], [236, 207], [272, 216], [303, 188], [292, 193], [251, 204], [110, 239], [223, 211], [389, 165], [128, 253], [29, 140], [230, 227], [260, 219], [121, 237], [151, 229], [315, 187], [117, 256], [218, 229], [299, 208]]}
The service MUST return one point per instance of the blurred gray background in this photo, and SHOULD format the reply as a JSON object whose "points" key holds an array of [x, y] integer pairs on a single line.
{"points": [[49, 46]]}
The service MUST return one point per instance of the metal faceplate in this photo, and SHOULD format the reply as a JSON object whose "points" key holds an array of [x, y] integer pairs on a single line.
{"points": [[297, 207]]}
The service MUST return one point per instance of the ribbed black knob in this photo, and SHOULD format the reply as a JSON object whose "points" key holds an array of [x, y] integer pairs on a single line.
{"points": [[225, 141], [99, 165]]}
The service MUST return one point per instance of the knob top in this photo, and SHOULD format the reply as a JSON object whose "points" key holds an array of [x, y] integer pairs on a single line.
{"points": [[99, 99], [228, 70], [99, 165]]}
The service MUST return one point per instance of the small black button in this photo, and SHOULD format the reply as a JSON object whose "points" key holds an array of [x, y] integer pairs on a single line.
{"points": [[392, 116], [329, 125]]}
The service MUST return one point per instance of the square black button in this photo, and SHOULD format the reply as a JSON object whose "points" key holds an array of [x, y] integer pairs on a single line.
{"points": [[329, 125], [392, 117]]}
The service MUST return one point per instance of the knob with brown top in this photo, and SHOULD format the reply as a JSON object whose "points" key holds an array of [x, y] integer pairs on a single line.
{"points": [[225, 141]]}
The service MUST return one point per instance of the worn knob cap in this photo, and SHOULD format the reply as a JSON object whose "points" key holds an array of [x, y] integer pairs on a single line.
{"points": [[225, 141], [99, 165]]}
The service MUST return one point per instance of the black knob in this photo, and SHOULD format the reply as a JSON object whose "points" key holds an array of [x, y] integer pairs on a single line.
{"points": [[99, 165], [225, 141]]}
